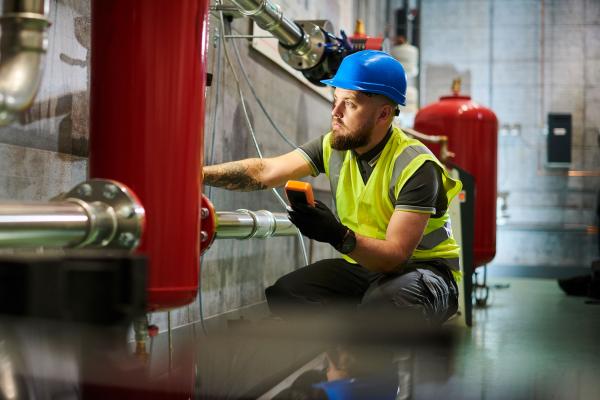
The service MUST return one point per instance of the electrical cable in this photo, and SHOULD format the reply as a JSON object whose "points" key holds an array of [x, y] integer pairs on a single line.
{"points": [[260, 103], [200, 303], [217, 75], [251, 128], [274, 125]]}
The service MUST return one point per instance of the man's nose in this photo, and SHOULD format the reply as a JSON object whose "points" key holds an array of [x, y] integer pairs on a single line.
{"points": [[337, 111]]}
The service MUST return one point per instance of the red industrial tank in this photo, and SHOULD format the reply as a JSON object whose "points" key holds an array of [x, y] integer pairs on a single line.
{"points": [[472, 132], [146, 127]]}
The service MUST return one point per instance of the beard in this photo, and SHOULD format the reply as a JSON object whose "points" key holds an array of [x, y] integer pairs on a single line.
{"points": [[351, 140]]}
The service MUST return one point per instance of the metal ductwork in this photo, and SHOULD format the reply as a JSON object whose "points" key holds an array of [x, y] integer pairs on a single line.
{"points": [[22, 49], [96, 213]]}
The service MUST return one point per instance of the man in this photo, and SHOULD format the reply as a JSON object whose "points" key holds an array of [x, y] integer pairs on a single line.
{"points": [[391, 196]]}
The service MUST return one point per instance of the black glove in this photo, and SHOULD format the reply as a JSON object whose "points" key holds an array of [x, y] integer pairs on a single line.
{"points": [[318, 223]]}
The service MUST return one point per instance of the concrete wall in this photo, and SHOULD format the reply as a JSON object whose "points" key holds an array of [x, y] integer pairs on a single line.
{"points": [[45, 152], [524, 59]]}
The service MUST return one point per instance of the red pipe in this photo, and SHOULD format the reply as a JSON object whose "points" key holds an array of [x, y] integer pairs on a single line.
{"points": [[147, 124]]}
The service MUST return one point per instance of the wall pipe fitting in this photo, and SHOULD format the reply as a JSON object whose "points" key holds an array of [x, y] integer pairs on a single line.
{"points": [[22, 48], [445, 154], [96, 213], [301, 43]]}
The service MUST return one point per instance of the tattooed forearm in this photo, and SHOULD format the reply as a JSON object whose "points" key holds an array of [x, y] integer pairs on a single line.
{"points": [[238, 175]]}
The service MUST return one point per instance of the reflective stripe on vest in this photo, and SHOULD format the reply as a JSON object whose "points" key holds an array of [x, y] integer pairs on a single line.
{"points": [[407, 155], [436, 237], [454, 265]]}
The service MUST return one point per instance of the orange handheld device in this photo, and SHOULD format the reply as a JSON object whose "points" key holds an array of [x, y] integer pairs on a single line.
{"points": [[299, 192]]}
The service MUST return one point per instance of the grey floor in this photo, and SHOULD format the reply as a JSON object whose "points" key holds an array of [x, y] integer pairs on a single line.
{"points": [[530, 342]]}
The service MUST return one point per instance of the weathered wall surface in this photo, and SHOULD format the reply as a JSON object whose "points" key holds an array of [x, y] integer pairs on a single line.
{"points": [[45, 152]]}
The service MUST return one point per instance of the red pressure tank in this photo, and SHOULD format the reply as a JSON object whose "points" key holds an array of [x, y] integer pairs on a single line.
{"points": [[472, 132], [146, 127]]}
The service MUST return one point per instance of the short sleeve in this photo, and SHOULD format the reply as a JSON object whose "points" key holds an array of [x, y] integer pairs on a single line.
{"points": [[423, 192], [312, 152]]}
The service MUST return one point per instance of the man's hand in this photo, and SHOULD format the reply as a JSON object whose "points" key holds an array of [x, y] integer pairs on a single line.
{"points": [[318, 223]]}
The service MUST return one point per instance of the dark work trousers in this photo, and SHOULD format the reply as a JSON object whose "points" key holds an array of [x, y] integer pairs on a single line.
{"points": [[426, 289]]}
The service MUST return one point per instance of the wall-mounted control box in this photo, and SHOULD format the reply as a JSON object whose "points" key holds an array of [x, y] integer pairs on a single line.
{"points": [[559, 140]]}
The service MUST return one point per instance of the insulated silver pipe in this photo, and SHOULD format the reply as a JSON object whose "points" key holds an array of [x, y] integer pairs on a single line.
{"points": [[22, 48], [246, 224], [96, 213], [269, 17]]}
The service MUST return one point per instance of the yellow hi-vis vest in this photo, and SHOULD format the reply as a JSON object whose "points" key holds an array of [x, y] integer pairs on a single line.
{"points": [[367, 209]]}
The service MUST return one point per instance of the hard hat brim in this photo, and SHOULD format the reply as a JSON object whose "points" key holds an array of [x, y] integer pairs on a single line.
{"points": [[384, 90]]}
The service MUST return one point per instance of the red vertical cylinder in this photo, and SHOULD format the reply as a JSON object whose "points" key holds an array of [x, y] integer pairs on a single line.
{"points": [[472, 132], [146, 127]]}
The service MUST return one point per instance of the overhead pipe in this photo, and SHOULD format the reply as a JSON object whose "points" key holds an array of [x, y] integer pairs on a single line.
{"points": [[96, 213], [302, 44], [269, 17], [22, 48]]}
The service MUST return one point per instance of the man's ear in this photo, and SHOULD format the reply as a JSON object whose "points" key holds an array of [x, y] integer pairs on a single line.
{"points": [[385, 113]]}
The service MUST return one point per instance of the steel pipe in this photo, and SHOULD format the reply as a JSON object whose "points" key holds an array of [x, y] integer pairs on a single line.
{"points": [[97, 213], [22, 48], [269, 17], [60, 224], [302, 44], [246, 224]]}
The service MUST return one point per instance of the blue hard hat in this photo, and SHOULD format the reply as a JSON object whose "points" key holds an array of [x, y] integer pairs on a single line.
{"points": [[374, 72]]}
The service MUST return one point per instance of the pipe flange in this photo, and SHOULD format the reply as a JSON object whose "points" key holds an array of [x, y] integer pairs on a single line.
{"points": [[115, 213], [309, 52], [252, 215], [265, 224], [208, 224]]}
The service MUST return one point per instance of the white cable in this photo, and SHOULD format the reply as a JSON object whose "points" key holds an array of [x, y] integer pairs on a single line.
{"points": [[251, 128], [274, 125], [217, 77], [260, 103]]}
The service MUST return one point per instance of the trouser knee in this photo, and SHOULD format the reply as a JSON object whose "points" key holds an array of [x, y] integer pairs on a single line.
{"points": [[280, 296], [419, 293]]}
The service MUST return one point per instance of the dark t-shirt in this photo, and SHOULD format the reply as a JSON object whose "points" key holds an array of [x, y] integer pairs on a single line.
{"points": [[423, 192]]}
